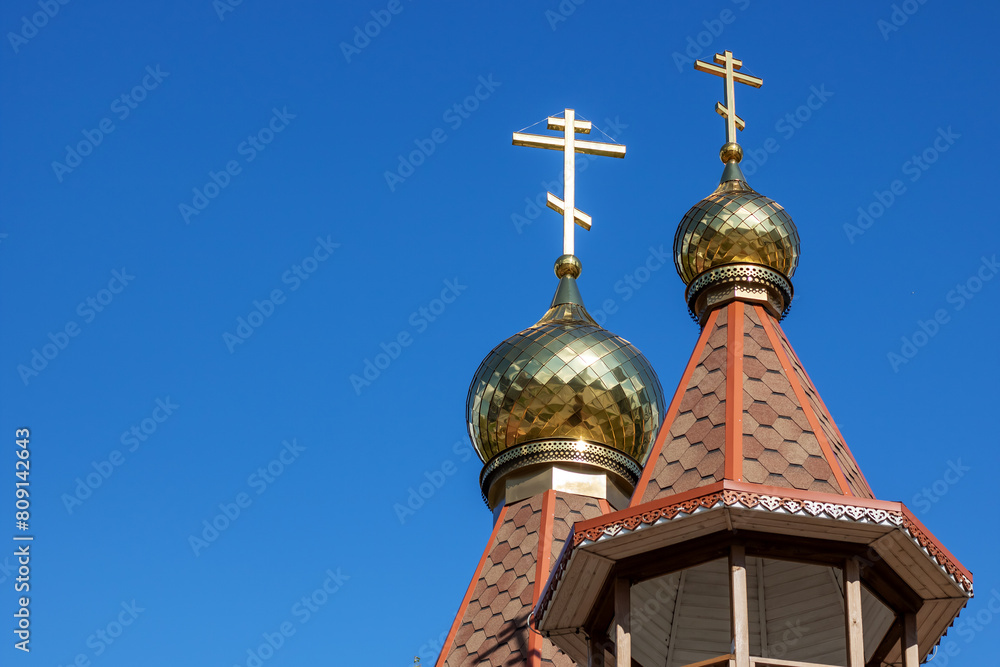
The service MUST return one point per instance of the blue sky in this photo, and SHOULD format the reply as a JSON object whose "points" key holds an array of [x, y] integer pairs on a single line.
{"points": [[201, 246]]}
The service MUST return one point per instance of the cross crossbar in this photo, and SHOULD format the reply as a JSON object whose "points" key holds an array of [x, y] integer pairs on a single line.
{"points": [[569, 145]]}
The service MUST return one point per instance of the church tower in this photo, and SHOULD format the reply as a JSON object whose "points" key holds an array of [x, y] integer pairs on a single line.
{"points": [[752, 538], [732, 528], [563, 415]]}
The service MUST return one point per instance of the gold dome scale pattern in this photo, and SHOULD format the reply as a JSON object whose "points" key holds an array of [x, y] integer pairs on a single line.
{"points": [[735, 224], [563, 378]]}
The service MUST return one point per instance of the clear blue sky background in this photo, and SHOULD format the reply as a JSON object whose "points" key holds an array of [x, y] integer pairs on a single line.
{"points": [[888, 94]]}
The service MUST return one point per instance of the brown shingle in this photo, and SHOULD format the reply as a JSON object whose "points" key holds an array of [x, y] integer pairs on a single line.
{"points": [[705, 406], [798, 477], [751, 447], [787, 429], [716, 438], [499, 552], [712, 464], [694, 454], [793, 452], [763, 413], [698, 431], [818, 468], [758, 390], [774, 462], [718, 415], [754, 472], [767, 436], [522, 515], [517, 537], [753, 368]]}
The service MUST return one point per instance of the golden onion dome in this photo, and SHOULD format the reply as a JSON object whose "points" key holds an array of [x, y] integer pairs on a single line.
{"points": [[564, 379], [735, 224], [736, 231]]}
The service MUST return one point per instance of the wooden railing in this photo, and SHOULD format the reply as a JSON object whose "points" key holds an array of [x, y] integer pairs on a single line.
{"points": [[775, 662], [729, 660]]}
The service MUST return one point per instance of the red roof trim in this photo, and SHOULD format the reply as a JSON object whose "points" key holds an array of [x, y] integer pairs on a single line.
{"points": [[472, 587], [734, 391], [541, 573], [919, 531], [822, 403], [800, 393], [668, 420]]}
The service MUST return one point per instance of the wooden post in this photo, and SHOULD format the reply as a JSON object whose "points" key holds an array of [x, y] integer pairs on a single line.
{"points": [[595, 653], [911, 650], [623, 623], [739, 614], [852, 611]]}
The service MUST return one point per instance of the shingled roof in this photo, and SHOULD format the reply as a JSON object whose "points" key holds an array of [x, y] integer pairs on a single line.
{"points": [[745, 410], [491, 627]]}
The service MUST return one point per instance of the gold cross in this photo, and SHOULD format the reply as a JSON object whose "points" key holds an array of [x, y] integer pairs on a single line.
{"points": [[569, 144], [729, 73]]}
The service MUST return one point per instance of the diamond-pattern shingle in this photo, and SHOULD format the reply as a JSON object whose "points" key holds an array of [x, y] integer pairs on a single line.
{"points": [[780, 445], [493, 626], [776, 431], [699, 426], [849, 466]]}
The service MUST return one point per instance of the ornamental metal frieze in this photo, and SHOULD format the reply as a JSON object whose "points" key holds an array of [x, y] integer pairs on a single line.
{"points": [[558, 451], [938, 554], [783, 505], [753, 276]]}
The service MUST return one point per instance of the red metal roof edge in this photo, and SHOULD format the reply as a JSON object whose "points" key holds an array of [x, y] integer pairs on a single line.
{"points": [[927, 534], [836, 466], [671, 414], [735, 386], [472, 587], [822, 403], [541, 566]]}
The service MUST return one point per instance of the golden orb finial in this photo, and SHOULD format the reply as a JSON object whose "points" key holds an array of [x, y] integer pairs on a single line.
{"points": [[568, 265], [731, 152]]}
